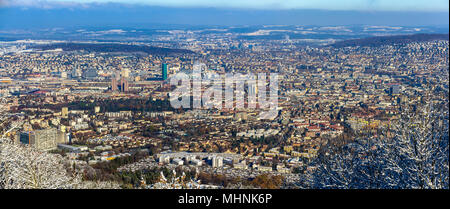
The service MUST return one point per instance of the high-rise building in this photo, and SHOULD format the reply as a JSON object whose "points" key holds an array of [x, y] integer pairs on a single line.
{"points": [[123, 85], [45, 140], [164, 71], [114, 78], [113, 84]]}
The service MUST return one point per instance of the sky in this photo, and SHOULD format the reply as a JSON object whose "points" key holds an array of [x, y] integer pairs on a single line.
{"points": [[58, 13], [359, 5]]}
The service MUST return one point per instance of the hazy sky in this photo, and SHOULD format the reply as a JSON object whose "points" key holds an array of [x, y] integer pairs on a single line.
{"points": [[62, 13], [359, 5]]}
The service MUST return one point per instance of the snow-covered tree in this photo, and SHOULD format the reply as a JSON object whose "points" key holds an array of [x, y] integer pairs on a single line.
{"points": [[417, 155], [23, 167], [412, 153]]}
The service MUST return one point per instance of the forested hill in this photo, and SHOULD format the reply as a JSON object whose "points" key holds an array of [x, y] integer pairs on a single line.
{"points": [[112, 47], [390, 40]]}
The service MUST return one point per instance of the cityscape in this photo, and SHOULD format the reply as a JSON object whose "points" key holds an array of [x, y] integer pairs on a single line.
{"points": [[358, 106]]}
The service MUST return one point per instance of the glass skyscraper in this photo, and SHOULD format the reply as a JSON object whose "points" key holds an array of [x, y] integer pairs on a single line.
{"points": [[164, 71]]}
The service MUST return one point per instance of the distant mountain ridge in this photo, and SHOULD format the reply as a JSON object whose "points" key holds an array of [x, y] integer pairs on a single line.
{"points": [[389, 40], [112, 47]]}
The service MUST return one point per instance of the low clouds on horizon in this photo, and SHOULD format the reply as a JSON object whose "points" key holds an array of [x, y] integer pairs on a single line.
{"points": [[349, 5]]}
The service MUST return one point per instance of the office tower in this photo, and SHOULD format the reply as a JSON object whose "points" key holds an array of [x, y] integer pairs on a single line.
{"points": [[113, 84], [164, 71], [45, 140], [123, 84]]}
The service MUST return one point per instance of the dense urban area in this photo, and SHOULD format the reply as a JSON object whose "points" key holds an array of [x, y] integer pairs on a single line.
{"points": [[104, 109]]}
